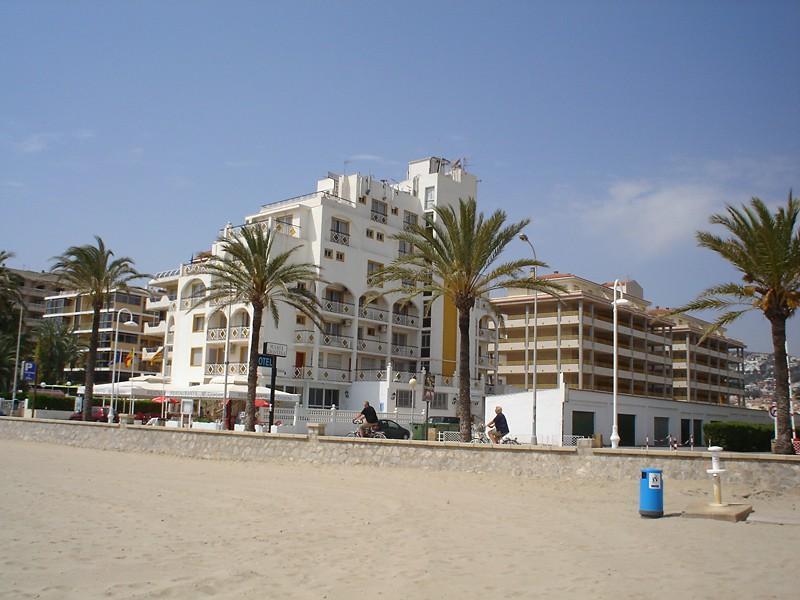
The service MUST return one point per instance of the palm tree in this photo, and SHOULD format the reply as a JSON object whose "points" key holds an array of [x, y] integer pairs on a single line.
{"points": [[92, 270], [56, 347], [453, 256], [765, 249], [10, 300], [249, 271]]}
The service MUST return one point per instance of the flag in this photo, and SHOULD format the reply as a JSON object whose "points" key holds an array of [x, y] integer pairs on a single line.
{"points": [[129, 359]]}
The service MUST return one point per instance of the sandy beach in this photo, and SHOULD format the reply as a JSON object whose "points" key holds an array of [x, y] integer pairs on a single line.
{"points": [[90, 524]]}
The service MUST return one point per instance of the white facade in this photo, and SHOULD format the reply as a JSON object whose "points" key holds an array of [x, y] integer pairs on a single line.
{"points": [[563, 413], [368, 351]]}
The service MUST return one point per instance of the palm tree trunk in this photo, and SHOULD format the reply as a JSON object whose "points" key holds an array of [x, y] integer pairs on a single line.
{"points": [[783, 443], [464, 398], [252, 370], [91, 360]]}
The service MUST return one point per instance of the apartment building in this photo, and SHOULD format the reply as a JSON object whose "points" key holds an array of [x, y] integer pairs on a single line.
{"points": [[711, 371], [574, 337], [34, 289], [75, 309], [369, 349]]}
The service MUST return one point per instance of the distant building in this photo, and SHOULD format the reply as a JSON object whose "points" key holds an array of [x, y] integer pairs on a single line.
{"points": [[574, 336], [75, 310], [36, 286]]}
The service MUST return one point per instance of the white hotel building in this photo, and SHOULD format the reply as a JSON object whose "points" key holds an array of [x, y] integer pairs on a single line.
{"points": [[367, 351]]}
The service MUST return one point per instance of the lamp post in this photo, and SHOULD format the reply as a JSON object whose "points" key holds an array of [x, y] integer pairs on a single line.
{"points": [[615, 303], [413, 383], [525, 239], [16, 361], [129, 322]]}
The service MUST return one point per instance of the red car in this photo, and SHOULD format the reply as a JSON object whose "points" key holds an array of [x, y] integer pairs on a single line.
{"points": [[99, 414]]}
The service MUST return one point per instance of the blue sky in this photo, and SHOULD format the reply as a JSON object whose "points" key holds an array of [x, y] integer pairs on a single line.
{"points": [[618, 127]]}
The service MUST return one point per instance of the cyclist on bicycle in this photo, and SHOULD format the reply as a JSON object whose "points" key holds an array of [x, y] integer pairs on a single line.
{"points": [[498, 426], [369, 415]]}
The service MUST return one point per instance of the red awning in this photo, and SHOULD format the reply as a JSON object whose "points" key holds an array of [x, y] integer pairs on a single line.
{"points": [[262, 403], [163, 399]]}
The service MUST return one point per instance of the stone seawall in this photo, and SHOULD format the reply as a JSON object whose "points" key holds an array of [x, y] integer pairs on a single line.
{"points": [[758, 471]]}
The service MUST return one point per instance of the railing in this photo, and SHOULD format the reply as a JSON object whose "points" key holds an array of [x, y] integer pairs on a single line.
{"points": [[370, 345], [234, 368], [402, 376], [221, 300], [373, 314], [240, 332], [403, 350], [484, 360], [217, 334], [191, 301], [306, 372], [335, 306], [370, 375], [378, 217], [196, 268], [304, 337], [333, 374], [335, 341], [167, 274], [484, 334], [405, 320], [340, 237], [374, 281]]}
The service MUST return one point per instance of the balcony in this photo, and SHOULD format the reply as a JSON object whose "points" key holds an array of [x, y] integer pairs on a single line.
{"points": [[335, 341], [304, 337], [405, 320], [370, 375], [219, 334], [337, 307], [163, 302], [378, 217], [192, 302], [373, 314], [485, 361], [340, 237], [373, 346], [405, 351], [159, 329], [333, 375], [485, 334], [234, 368]]}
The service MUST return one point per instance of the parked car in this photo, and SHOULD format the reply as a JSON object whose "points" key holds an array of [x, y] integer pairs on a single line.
{"points": [[393, 430], [99, 414]]}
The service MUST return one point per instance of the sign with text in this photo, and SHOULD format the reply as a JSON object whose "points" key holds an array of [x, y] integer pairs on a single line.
{"points": [[275, 349], [266, 360], [29, 371]]}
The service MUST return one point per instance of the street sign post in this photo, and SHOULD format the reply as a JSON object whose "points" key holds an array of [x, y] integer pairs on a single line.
{"points": [[269, 361]]}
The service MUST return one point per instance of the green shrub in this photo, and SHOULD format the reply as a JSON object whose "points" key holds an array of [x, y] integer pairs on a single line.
{"points": [[739, 437], [52, 402]]}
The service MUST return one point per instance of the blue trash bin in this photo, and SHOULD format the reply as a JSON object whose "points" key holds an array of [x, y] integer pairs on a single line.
{"points": [[651, 493]]}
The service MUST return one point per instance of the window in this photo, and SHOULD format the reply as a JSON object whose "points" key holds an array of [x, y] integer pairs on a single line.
{"points": [[328, 253], [362, 199], [373, 267], [300, 320], [371, 331], [425, 350], [426, 313], [404, 399], [395, 210], [404, 247], [196, 359], [409, 218], [340, 256], [430, 199], [340, 232], [322, 398], [370, 234], [379, 211], [439, 401], [198, 323], [379, 236]]}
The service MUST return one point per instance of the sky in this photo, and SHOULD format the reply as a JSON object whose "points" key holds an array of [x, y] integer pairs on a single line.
{"points": [[617, 127]]}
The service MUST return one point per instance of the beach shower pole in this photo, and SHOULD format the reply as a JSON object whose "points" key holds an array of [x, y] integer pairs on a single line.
{"points": [[615, 303], [129, 322], [525, 238]]}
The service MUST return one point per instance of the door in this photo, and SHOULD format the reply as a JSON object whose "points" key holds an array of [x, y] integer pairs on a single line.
{"points": [[626, 428], [299, 359], [686, 430], [698, 432], [582, 423], [660, 431]]}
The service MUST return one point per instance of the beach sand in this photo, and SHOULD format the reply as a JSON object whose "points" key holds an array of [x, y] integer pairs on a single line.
{"points": [[84, 524]]}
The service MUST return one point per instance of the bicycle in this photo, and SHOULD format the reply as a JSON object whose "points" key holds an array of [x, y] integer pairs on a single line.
{"points": [[479, 436], [375, 433]]}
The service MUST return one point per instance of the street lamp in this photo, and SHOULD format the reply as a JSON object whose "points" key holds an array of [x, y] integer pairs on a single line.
{"points": [[525, 239], [413, 384], [615, 303], [129, 322]]}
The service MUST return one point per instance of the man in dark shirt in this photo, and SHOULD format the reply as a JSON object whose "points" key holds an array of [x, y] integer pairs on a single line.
{"points": [[499, 425], [369, 415]]}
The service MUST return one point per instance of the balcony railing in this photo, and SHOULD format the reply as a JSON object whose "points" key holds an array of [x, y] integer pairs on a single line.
{"points": [[405, 320], [374, 281], [234, 368], [333, 374], [192, 301], [370, 375], [378, 217], [335, 341], [335, 306], [218, 334], [340, 237], [403, 350], [304, 337], [372, 345], [373, 314]]}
